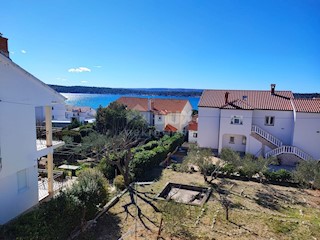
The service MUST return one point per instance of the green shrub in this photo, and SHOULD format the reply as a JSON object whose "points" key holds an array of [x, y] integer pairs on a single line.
{"points": [[57, 218], [230, 156], [307, 173], [76, 136], [228, 169], [281, 175], [107, 169], [119, 182]]}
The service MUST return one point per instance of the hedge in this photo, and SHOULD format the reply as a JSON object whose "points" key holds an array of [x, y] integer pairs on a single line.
{"points": [[152, 154]]}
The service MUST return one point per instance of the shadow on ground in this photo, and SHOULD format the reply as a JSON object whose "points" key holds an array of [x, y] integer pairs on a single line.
{"points": [[107, 228]]}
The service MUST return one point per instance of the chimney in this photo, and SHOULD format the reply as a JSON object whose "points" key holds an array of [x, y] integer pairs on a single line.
{"points": [[4, 46], [226, 96], [273, 88], [150, 104]]}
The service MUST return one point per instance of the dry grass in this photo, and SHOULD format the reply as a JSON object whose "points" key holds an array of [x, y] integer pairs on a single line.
{"points": [[258, 211]]}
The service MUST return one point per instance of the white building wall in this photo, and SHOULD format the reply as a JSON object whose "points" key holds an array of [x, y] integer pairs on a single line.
{"points": [[185, 116], [18, 148], [227, 129], [208, 127], [159, 122], [283, 124], [192, 136], [307, 133]]}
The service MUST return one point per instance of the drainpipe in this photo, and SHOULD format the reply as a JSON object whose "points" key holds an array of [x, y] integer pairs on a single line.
{"points": [[49, 145], [294, 120]]}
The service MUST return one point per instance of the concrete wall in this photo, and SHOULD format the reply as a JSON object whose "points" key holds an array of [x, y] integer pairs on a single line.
{"points": [[208, 127], [159, 122], [283, 124], [307, 133]]}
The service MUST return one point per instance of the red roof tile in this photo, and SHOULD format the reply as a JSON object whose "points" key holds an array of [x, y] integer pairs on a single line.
{"points": [[307, 105], [161, 106], [193, 126], [247, 99], [170, 128]]}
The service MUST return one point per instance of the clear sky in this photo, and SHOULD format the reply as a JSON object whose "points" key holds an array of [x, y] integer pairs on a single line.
{"points": [[213, 44]]}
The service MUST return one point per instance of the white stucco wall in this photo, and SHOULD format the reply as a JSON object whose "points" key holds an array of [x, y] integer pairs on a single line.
{"points": [[159, 122], [20, 94], [307, 133], [226, 128], [283, 124], [18, 152], [208, 127], [191, 138]]}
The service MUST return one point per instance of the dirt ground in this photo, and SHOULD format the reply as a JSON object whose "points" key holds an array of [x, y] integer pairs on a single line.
{"points": [[256, 211]]}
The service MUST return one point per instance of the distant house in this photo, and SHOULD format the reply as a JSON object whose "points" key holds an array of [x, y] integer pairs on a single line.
{"points": [[267, 123], [20, 94], [62, 114], [169, 115], [193, 129]]}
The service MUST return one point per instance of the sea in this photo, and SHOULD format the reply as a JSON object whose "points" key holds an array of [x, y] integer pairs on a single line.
{"points": [[95, 100]]}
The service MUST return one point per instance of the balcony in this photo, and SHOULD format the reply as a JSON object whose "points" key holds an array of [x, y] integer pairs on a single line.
{"points": [[43, 150]]}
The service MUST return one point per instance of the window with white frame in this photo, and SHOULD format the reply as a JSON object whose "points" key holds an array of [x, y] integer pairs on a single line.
{"points": [[195, 135], [159, 118], [269, 120], [237, 120], [22, 180], [231, 140]]}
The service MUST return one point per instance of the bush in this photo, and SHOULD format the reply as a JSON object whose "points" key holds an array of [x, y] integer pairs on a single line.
{"points": [[230, 156], [251, 166], [76, 136], [307, 173], [107, 169], [228, 169], [57, 218], [281, 175], [144, 160], [119, 182]]}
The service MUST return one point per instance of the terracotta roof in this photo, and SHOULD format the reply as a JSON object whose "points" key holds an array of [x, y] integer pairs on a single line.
{"points": [[307, 105], [237, 104], [160, 106], [247, 99], [170, 128], [193, 126]]}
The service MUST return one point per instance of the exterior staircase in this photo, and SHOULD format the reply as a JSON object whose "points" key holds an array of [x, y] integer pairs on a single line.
{"points": [[277, 145]]}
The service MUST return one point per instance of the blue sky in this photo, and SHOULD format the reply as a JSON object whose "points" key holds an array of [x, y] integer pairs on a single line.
{"points": [[225, 44]]}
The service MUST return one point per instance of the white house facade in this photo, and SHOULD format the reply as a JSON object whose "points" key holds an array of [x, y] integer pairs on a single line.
{"points": [[268, 123], [169, 115], [20, 94]]}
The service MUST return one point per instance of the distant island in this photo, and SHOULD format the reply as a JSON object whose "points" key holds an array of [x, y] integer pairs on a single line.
{"points": [[177, 92]]}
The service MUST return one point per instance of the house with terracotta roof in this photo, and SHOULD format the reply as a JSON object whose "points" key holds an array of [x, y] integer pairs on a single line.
{"points": [[169, 115], [267, 123], [20, 94]]}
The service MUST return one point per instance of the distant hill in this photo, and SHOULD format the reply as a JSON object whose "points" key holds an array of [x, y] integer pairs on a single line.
{"points": [[126, 91], [183, 92]]}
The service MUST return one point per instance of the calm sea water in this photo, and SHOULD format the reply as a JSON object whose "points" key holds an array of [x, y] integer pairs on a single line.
{"points": [[95, 100]]}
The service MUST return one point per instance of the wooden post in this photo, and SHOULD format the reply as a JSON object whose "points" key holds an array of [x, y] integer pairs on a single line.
{"points": [[49, 144]]}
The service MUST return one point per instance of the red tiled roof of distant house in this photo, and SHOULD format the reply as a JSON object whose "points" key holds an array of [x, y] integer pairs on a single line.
{"points": [[193, 126], [170, 128], [253, 99], [160, 106], [307, 105]]}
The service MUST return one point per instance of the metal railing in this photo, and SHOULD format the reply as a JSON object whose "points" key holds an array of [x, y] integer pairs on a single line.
{"points": [[267, 136], [289, 149]]}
